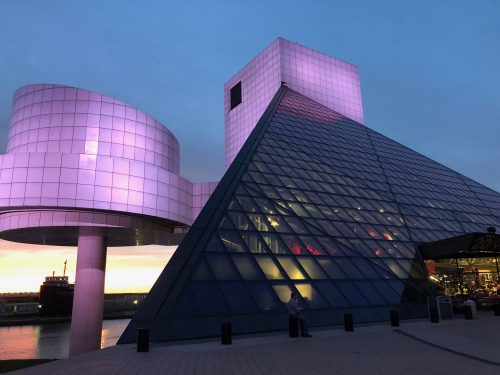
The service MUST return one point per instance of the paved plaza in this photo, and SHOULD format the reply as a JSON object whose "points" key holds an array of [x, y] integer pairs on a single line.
{"points": [[455, 346]]}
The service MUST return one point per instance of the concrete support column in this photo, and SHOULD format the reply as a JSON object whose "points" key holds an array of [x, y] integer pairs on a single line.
{"points": [[88, 300]]}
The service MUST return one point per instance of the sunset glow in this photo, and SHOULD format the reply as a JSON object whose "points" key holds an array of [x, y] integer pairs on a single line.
{"points": [[23, 267]]}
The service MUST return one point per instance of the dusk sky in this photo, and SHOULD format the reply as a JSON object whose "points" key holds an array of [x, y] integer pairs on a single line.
{"points": [[430, 79]]}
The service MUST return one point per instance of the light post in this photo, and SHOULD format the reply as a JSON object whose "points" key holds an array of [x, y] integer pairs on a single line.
{"points": [[492, 231]]}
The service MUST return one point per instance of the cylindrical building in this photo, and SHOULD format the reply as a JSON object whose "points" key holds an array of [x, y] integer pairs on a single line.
{"points": [[83, 169]]}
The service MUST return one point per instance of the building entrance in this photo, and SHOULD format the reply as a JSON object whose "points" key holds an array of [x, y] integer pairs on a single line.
{"points": [[470, 277], [466, 266]]}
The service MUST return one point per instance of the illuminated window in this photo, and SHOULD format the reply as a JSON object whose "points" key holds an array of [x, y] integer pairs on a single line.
{"points": [[291, 268], [387, 236], [269, 268], [283, 292]]}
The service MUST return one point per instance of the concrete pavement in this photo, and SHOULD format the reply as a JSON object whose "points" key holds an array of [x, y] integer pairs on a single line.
{"points": [[456, 346]]}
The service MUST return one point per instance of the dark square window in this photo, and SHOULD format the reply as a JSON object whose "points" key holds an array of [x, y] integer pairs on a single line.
{"points": [[235, 93]]}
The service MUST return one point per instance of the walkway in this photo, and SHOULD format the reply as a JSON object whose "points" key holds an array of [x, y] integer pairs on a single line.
{"points": [[456, 346]]}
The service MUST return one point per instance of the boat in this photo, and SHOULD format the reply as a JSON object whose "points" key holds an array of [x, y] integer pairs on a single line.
{"points": [[56, 295]]}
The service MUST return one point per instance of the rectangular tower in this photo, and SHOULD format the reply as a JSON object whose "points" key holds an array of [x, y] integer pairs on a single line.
{"points": [[327, 80]]}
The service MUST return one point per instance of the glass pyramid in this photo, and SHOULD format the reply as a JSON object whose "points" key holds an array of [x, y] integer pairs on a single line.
{"points": [[317, 204]]}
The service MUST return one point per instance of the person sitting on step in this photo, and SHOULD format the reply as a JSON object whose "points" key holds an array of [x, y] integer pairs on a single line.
{"points": [[294, 310]]}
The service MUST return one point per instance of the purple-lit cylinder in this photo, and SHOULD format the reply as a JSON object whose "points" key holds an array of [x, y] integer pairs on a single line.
{"points": [[75, 149], [68, 120]]}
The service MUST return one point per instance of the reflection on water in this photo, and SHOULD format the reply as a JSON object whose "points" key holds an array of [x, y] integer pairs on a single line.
{"points": [[50, 340]]}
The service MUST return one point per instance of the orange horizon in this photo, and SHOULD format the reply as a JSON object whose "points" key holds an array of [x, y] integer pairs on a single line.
{"points": [[134, 269]]}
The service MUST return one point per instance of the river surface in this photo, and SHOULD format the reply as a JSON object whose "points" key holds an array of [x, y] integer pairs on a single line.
{"points": [[50, 340]]}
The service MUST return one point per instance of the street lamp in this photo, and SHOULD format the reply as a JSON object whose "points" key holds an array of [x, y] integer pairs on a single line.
{"points": [[492, 231]]}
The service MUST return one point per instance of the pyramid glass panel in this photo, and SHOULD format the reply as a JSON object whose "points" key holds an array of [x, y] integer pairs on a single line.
{"points": [[238, 298], [247, 267], [320, 205]]}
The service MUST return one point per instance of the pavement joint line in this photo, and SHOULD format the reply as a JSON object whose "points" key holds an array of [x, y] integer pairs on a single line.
{"points": [[448, 349]]}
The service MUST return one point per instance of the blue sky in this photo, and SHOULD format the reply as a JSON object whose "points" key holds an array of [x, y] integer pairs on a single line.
{"points": [[430, 70]]}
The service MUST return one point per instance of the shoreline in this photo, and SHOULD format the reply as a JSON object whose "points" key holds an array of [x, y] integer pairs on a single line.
{"points": [[34, 320]]}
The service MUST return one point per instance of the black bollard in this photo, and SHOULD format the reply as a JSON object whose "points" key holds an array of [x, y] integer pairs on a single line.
{"points": [[468, 312], [434, 315], [143, 340], [496, 309], [348, 324], [226, 334], [293, 327], [394, 318]]}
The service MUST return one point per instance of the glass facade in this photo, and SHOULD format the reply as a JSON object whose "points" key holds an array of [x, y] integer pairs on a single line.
{"points": [[320, 205]]}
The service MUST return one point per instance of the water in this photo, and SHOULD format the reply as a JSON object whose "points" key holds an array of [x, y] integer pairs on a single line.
{"points": [[50, 340]]}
